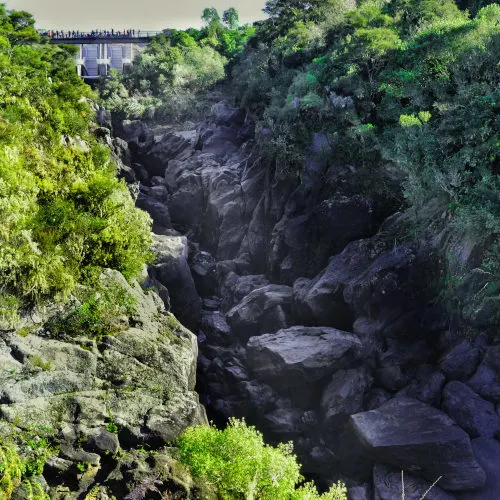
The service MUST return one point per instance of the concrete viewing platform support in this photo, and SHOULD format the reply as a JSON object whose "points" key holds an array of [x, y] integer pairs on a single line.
{"points": [[101, 51]]}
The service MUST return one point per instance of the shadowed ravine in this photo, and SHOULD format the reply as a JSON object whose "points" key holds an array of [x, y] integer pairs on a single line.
{"points": [[316, 320]]}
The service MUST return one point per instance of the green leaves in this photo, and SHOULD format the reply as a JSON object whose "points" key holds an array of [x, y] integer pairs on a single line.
{"points": [[238, 462], [62, 207]]}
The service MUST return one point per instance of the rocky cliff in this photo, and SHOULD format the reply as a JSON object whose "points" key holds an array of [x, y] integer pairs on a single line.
{"points": [[321, 312], [98, 400]]}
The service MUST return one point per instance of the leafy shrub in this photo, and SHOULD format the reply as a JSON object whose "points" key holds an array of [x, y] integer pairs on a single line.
{"points": [[102, 308], [63, 210], [17, 472], [240, 465]]}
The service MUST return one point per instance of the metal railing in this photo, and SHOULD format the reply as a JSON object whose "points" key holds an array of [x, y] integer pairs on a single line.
{"points": [[97, 34]]}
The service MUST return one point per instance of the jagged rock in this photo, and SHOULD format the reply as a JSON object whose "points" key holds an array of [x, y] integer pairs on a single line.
{"points": [[387, 485], [137, 134], [260, 396], [396, 362], [487, 453], [227, 116], [377, 397], [304, 241], [102, 441], [474, 414], [264, 310], [461, 361], [426, 385], [235, 288], [121, 151], [285, 421], [186, 201], [385, 289], [161, 290], [486, 379], [345, 394], [221, 140], [171, 269], [140, 172], [298, 356], [203, 267], [142, 379], [411, 435], [215, 327], [158, 212], [172, 145]]}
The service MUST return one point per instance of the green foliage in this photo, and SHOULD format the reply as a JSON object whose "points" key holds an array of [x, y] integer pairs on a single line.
{"points": [[39, 363], [62, 208], [238, 462], [167, 80], [101, 308], [20, 472], [231, 18]]}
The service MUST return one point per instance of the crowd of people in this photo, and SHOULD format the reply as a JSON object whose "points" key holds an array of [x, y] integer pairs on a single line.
{"points": [[131, 33]]}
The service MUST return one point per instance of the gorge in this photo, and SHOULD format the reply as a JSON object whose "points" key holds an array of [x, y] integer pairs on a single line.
{"points": [[293, 224], [325, 351]]}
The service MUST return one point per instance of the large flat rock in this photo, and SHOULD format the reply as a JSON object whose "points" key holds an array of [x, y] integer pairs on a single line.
{"points": [[300, 355], [412, 435]]}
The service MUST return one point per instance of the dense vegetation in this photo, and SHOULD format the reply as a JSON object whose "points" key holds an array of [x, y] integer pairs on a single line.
{"points": [[64, 214], [20, 472], [238, 463], [405, 86], [167, 81]]}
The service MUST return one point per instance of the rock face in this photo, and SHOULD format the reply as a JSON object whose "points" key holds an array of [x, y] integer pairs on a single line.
{"points": [[171, 269], [319, 314], [411, 435], [388, 485], [134, 387], [266, 309]]}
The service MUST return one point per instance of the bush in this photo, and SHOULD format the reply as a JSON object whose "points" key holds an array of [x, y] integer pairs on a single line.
{"points": [[101, 308], [238, 462], [20, 473], [63, 210]]}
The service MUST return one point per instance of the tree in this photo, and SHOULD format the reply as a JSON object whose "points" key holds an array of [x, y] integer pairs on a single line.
{"points": [[231, 18], [210, 15], [214, 28]]}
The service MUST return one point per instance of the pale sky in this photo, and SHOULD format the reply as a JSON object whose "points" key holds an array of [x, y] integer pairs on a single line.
{"points": [[123, 14]]}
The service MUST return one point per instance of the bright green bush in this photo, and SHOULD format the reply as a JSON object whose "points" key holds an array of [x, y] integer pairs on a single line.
{"points": [[238, 462], [62, 208], [21, 472]]}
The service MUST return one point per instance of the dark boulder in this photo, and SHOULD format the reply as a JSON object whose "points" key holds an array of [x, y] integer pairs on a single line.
{"points": [[235, 288], [345, 394], [486, 379], [411, 435], [203, 267], [487, 452], [426, 385], [264, 310], [388, 485], [461, 361], [297, 357], [214, 326], [471, 412]]}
